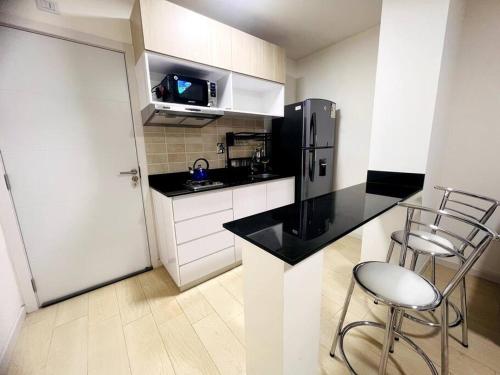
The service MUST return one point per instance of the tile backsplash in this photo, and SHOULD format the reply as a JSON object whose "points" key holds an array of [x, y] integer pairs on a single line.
{"points": [[171, 149]]}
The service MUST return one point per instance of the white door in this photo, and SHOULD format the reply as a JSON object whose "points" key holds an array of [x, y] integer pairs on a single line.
{"points": [[66, 132]]}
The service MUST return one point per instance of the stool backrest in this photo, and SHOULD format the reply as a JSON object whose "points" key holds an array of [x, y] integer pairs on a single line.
{"points": [[470, 205], [483, 236]]}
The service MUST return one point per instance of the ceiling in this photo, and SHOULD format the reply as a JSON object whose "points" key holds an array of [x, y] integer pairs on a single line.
{"points": [[300, 26]]}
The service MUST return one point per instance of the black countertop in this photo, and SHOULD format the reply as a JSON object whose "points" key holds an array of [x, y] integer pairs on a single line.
{"points": [[172, 184], [294, 232]]}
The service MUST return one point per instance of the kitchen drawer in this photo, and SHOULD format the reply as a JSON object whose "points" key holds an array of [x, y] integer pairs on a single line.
{"points": [[198, 227], [204, 266], [199, 204], [204, 246]]}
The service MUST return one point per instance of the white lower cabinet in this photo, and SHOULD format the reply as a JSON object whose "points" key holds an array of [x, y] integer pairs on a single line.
{"points": [[280, 193], [253, 199], [205, 266], [192, 243], [249, 200], [202, 226], [197, 249]]}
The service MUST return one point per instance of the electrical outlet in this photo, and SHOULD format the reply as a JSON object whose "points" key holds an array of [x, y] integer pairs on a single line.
{"points": [[220, 148], [47, 6]]}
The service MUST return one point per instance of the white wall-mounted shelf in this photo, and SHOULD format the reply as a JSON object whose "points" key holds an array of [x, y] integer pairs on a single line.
{"points": [[238, 95]]}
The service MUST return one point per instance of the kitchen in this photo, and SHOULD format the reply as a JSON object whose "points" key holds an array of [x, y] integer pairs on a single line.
{"points": [[113, 245]]}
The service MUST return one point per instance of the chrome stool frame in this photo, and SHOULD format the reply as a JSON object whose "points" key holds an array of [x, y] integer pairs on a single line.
{"points": [[484, 214], [396, 307]]}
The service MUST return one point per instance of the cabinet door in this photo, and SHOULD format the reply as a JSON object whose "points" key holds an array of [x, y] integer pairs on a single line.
{"points": [[249, 200], [272, 66], [246, 53], [220, 45], [256, 57], [280, 193], [176, 31], [193, 205]]}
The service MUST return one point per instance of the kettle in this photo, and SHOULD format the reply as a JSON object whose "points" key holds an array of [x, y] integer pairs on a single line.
{"points": [[198, 173]]}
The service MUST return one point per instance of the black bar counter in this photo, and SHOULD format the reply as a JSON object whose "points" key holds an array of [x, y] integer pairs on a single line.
{"points": [[293, 233]]}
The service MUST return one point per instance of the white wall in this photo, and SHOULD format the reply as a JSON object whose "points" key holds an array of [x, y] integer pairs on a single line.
{"points": [[291, 81], [465, 144], [110, 28], [11, 310], [409, 61], [345, 74]]}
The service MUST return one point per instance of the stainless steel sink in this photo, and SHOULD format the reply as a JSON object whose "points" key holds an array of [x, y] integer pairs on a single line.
{"points": [[262, 176]]}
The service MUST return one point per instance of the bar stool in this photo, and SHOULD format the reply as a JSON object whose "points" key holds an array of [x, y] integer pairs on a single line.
{"points": [[402, 289], [450, 202]]}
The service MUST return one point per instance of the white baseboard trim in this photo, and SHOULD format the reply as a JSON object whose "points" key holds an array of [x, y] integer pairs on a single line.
{"points": [[6, 355], [490, 276]]}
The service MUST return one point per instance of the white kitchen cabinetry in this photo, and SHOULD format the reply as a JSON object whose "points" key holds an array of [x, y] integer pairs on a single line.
{"points": [[192, 243], [237, 94], [280, 193], [249, 200], [253, 199], [191, 240], [167, 28]]}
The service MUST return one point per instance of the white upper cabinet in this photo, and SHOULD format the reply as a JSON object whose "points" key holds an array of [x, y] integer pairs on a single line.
{"points": [[166, 28]]}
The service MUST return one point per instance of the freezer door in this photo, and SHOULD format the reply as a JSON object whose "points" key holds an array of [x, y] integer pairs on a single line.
{"points": [[318, 124], [317, 173]]}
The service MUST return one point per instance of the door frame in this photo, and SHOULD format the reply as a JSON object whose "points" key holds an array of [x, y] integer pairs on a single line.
{"points": [[8, 216]]}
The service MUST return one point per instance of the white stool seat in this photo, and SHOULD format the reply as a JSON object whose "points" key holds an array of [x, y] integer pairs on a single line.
{"points": [[424, 246], [396, 285]]}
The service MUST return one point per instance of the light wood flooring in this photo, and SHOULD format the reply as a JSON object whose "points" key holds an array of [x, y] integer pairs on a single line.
{"points": [[143, 325]]}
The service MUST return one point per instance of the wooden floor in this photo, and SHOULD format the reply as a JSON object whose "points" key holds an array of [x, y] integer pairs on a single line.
{"points": [[144, 326]]}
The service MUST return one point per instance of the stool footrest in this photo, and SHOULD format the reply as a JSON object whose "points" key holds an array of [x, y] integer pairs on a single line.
{"points": [[402, 337]]}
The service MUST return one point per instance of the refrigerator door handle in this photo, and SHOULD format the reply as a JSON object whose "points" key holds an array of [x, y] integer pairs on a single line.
{"points": [[312, 131], [312, 164]]}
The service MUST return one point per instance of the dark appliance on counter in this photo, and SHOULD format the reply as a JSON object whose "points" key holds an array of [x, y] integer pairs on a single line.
{"points": [[303, 146], [175, 88]]}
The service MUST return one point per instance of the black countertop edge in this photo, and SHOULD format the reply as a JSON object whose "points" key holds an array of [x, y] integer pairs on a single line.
{"points": [[172, 184], [396, 178], [295, 232]]}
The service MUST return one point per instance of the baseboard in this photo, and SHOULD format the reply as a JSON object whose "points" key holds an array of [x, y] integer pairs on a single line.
{"points": [[420, 268], [490, 276], [6, 355]]}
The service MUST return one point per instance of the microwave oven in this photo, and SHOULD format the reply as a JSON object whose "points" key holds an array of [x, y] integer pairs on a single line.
{"points": [[175, 88]]}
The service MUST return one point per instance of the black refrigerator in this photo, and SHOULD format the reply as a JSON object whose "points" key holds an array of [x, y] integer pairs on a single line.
{"points": [[303, 146]]}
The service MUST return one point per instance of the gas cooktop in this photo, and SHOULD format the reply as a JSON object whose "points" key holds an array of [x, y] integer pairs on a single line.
{"points": [[202, 185]]}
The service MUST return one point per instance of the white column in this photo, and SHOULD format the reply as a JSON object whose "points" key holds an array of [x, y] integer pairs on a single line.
{"points": [[411, 43], [282, 313], [414, 38]]}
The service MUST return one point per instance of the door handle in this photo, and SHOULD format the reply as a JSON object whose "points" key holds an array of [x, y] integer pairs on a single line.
{"points": [[312, 166], [132, 172], [312, 131]]}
